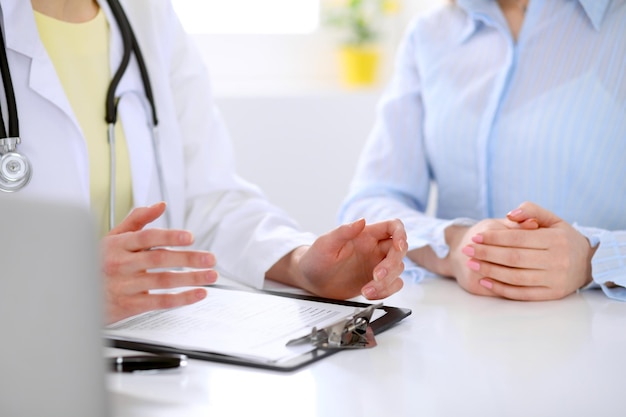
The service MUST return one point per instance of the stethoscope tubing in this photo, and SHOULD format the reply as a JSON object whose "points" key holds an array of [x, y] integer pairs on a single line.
{"points": [[15, 168], [13, 122], [131, 45], [155, 141]]}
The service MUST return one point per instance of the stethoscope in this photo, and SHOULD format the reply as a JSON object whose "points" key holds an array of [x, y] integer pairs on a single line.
{"points": [[15, 168]]}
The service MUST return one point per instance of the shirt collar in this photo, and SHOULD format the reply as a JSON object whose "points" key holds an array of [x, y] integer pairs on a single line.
{"points": [[485, 11], [596, 10], [478, 12]]}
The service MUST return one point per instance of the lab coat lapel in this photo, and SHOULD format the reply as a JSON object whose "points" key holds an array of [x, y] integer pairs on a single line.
{"points": [[133, 116], [22, 36]]}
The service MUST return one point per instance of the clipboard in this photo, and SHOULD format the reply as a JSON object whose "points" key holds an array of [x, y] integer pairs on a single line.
{"points": [[390, 317]]}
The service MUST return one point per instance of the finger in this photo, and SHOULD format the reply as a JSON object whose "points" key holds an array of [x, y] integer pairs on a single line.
{"points": [[529, 224], [515, 238], [393, 229], [141, 303], [508, 256], [168, 280], [392, 263], [374, 290], [130, 263], [528, 210], [138, 218], [154, 238], [164, 258], [522, 277], [336, 239], [513, 292]]}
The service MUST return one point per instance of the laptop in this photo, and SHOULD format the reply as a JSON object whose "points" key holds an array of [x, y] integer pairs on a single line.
{"points": [[51, 350]]}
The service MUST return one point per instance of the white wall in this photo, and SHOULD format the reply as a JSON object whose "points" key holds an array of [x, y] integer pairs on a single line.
{"points": [[301, 149], [297, 131]]}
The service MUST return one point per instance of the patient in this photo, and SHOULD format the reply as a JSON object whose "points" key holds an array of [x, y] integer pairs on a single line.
{"points": [[515, 111]]}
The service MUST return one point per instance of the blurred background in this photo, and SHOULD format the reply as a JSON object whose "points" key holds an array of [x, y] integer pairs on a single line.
{"points": [[297, 82]]}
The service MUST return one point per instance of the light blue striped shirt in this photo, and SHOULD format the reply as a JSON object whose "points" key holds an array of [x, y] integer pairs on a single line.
{"points": [[494, 122]]}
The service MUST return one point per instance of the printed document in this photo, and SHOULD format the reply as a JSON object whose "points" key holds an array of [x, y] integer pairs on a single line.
{"points": [[237, 323]]}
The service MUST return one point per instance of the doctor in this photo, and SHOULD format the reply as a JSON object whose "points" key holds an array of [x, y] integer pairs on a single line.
{"points": [[62, 56]]}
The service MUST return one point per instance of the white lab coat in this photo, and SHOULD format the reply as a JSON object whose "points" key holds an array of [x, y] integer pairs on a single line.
{"points": [[228, 216]]}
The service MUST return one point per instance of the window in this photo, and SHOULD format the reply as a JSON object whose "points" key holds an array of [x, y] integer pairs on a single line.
{"points": [[248, 16]]}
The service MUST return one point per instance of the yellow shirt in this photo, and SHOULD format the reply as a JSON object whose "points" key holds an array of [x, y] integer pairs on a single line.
{"points": [[80, 54]]}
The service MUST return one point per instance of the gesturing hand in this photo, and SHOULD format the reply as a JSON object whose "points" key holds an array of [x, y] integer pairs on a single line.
{"points": [[350, 260], [356, 259], [543, 264], [135, 260]]}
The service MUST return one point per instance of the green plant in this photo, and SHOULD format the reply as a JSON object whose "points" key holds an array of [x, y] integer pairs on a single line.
{"points": [[360, 21]]}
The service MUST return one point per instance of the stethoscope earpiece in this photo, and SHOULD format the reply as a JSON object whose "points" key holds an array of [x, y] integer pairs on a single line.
{"points": [[15, 172]]}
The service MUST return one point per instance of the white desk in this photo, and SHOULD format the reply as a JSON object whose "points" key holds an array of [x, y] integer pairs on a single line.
{"points": [[456, 355]]}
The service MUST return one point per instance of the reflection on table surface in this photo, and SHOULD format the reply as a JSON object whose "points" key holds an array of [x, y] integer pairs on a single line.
{"points": [[456, 355]]}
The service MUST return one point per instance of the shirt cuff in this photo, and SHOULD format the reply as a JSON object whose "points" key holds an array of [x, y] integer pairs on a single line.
{"points": [[608, 264], [591, 233], [414, 273]]}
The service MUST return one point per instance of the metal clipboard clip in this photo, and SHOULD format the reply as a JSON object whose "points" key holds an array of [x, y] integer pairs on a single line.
{"points": [[353, 332]]}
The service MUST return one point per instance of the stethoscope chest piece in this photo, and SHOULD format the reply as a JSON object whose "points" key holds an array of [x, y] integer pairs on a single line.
{"points": [[15, 170]]}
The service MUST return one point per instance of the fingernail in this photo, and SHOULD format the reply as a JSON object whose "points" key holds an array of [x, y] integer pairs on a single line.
{"points": [[473, 265], [369, 292], [207, 260], [199, 294], [486, 284], [356, 221], [478, 239], [468, 250], [531, 223], [211, 277], [185, 238], [514, 213], [380, 274]]}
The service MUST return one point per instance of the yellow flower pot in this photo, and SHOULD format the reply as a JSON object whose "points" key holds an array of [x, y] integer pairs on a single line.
{"points": [[359, 65]]}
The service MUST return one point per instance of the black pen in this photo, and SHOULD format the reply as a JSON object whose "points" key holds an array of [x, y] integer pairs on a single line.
{"points": [[134, 363]]}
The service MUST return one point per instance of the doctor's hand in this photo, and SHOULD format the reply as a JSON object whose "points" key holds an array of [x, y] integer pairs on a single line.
{"points": [[350, 260], [130, 252], [544, 263]]}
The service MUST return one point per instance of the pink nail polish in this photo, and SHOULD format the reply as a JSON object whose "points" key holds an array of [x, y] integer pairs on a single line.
{"points": [[486, 284], [477, 239], [473, 265], [468, 250], [514, 213]]}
